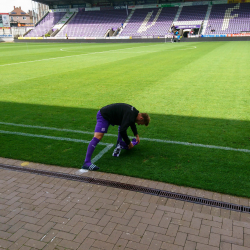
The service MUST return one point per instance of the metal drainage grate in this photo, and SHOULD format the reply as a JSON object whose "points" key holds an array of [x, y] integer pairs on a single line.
{"points": [[130, 187]]}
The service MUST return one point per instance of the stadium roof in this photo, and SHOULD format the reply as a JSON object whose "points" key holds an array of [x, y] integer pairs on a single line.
{"points": [[62, 2], [92, 2]]}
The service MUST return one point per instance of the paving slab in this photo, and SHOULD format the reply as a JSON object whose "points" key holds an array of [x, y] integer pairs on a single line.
{"points": [[44, 212]]}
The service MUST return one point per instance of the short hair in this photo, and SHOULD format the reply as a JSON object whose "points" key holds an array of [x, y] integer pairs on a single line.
{"points": [[146, 118]]}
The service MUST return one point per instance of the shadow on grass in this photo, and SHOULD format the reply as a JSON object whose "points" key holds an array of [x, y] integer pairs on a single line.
{"points": [[217, 170]]}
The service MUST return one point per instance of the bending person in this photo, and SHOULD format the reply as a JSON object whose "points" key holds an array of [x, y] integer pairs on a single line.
{"points": [[121, 114]]}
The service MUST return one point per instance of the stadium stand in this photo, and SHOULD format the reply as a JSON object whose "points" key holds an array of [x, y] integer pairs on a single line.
{"points": [[93, 23], [193, 13], [193, 16], [150, 22], [229, 19], [46, 24]]}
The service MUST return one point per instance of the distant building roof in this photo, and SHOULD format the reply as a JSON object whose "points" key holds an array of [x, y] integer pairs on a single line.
{"points": [[18, 11]]}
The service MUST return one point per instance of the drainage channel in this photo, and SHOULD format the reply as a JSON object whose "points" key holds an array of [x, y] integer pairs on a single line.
{"points": [[130, 187]]}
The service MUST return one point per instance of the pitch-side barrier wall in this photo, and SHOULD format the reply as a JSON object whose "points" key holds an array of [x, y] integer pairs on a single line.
{"points": [[6, 39], [133, 40]]}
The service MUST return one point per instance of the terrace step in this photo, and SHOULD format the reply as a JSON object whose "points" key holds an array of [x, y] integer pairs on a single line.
{"points": [[178, 13], [126, 22], [65, 19], [206, 20]]}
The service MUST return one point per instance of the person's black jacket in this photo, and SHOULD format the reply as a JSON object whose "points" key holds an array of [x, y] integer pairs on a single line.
{"points": [[121, 114]]}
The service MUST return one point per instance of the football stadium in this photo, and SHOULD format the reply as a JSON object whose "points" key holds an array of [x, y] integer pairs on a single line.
{"points": [[185, 64], [197, 93]]}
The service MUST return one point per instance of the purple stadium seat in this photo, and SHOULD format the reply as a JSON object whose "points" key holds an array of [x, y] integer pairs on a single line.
{"points": [[46, 24], [151, 22], [93, 23], [158, 24], [193, 13], [229, 19]]}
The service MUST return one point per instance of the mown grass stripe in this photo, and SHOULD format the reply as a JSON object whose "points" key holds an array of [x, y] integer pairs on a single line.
{"points": [[145, 139], [51, 137], [62, 57]]}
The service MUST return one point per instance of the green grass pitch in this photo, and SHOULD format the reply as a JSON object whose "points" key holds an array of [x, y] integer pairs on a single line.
{"points": [[197, 94]]}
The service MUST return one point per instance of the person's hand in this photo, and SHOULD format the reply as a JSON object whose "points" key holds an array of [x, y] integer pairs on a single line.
{"points": [[130, 145], [137, 139]]}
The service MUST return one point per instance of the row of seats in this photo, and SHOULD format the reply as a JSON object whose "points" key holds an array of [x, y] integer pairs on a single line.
{"points": [[93, 23], [223, 19], [138, 27], [46, 24], [229, 19]]}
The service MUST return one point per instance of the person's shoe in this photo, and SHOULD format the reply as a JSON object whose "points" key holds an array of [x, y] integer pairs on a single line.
{"points": [[122, 145], [91, 167], [117, 150]]}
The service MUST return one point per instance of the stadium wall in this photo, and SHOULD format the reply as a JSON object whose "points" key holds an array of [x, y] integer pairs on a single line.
{"points": [[136, 40], [6, 39]]}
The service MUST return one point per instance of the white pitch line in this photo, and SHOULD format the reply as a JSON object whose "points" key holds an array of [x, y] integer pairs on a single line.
{"points": [[54, 58], [197, 145], [113, 50], [96, 158], [51, 128], [47, 128], [105, 150], [61, 57], [170, 49], [146, 139], [51, 137]]}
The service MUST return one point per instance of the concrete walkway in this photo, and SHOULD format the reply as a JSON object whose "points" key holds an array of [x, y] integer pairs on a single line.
{"points": [[39, 212]]}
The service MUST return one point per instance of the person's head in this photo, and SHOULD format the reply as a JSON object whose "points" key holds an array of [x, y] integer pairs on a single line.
{"points": [[142, 119]]}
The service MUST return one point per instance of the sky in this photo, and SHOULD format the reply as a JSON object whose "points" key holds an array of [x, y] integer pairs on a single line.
{"points": [[6, 6]]}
